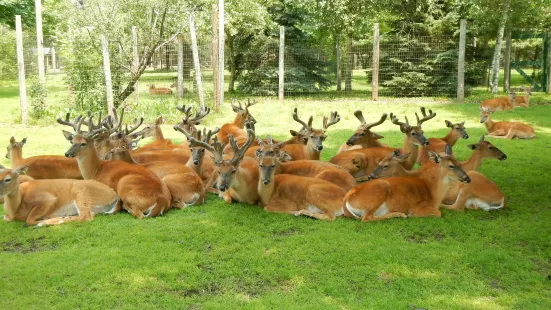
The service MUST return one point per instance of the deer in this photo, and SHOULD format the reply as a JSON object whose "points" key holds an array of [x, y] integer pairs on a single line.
{"points": [[141, 192], [185, 186], [480, 193], [152, 90], [53, 202], [235, 177], [175, 85], [457, 131], [42, 167], [307, 168], [312, 139], [359, 163], [236, 128], [505, 130], [201, 164], [500, 103], [524, 101], [363, 136], [421, 196], [297, 195]]}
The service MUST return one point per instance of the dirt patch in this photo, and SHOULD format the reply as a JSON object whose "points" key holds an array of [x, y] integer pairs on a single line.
{"points": [[209, 289], [31, 246], [424, 237], [287, 232]]}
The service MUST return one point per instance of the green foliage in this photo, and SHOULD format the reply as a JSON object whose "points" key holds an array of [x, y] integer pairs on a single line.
{"points": [[8, 64], [38, 96]]}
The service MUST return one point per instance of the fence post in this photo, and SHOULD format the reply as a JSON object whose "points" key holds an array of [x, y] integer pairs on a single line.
{"points": [[507, 65], [221, 51], [349, 60], [281, 71], [461, 61], [339, 72], [375, 69], [39, 40], [107, 73], [54, 60], [180, 78], [21, 69], [135, 63], [215, 57], [196, 64]]}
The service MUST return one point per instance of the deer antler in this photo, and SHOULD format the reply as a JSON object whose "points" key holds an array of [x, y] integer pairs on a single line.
{"points": [[186, 111], [74, 124], [395, 121], [199, 114], [239, 153], [377, 123], [335, 118], [249, 104], [234, 107], [137, 123], [216, 148], [359, 115], [425, 116], [114, 123], [92, 133], [304, 125]]}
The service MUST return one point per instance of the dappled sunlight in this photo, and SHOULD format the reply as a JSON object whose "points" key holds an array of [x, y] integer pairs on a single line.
{"points": [[469, 301]]}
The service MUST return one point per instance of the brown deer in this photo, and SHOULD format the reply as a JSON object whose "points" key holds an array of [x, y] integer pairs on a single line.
{"points": [[405, 196], [437, 145], [312, 139], [141, 192], [361, 162], [201, 164], [175, 85], [307, 168], [363, 136], [297, 195], [506, 130], [524, 101], [480, 193], [500, 103], [51, 202], [236, 177], [42, 167], [235, 129], [152, 90]]}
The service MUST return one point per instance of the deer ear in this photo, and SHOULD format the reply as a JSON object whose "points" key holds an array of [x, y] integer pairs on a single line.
{"points": [[434, 157], [404, 156], [24, 141], [68, 135], [235, 109], [257, 153], [293, 133], [448, 123], [283, 157], [159, 121], [12, 140], [22, 170]]}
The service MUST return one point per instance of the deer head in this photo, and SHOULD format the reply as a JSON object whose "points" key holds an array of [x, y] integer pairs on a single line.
{"points": [[82, 140], [511, 96], [364, 135], [272, 149], [450, 168], [314, 137], [150, 129], [243, 114], [188, 122], [8, 180], [200, 144], [487, 149], [389, 165], [15, 146], [485, 114], [458, 129], [414, 133]]}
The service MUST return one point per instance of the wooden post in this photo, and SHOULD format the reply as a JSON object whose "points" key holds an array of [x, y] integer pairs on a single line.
{"points": [[196, 64], [281, 71], [375, 69], [107, 73], [461, 61], [180, 80], [21, 69], [54, 60], [349, 60], [221, 51], [39, 40], [135, 63], [215, 57], [338, 54], [507, 65], [549, 62]]}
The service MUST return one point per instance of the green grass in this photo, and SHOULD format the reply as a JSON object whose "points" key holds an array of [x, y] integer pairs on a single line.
{"points": [[238, 256]]}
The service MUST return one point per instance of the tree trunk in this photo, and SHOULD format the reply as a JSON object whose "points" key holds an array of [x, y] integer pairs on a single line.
{"points": [[484, 51], [233, 64], [497, 51], [338, 55], [349, 60], [167, 57]]}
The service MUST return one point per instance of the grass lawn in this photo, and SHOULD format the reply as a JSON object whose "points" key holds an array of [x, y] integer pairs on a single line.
{"points": [[238, 256]]}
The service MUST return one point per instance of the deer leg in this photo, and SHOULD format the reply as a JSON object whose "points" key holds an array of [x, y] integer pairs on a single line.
{"points": [[320, 216], [371, 218], [497, 133], [423, 211], [62, 220], [133, 209], [459, 204], [40, 207], [280, 206]]}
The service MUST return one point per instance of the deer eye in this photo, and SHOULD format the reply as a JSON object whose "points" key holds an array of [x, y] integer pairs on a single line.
{"points": [[312, 136], [273, 166], [413, 133], [451, 166], [83, 145], [385, 166], [362, 134], [7, 180], [491, 147], [261, 166], [233, 171]]}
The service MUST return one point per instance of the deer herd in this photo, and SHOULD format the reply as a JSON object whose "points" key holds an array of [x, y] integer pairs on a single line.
{"points": [[104, 172]]}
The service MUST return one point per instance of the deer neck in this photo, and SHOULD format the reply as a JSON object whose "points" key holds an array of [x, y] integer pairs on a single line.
{"points": [[437, 182], [197, 168], [527, 98], [239, 121], [474, 162], [266, 191], [126, 157], [16, 157], [489, 124], [159, 134], [88, 162], [310, 153], [450, 138], [12, 202], [410, 147]]}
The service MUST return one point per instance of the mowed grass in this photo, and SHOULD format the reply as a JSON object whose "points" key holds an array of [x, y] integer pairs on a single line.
{"points": [[238, 256]]}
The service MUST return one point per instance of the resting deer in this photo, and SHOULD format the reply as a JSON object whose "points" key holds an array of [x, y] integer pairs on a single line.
{"points": [[175, 85], [152, 90], [185, 186], [363, 136], [524, 101], [236, 177], [480, 193], [298, 195], [307, 168], [437, 145], [361, 162], [506, 130], [141, 192], [236, 129], [405, 196], [312, 139], [42, 167], [501, 103], [201, 164], [50, 202]]}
